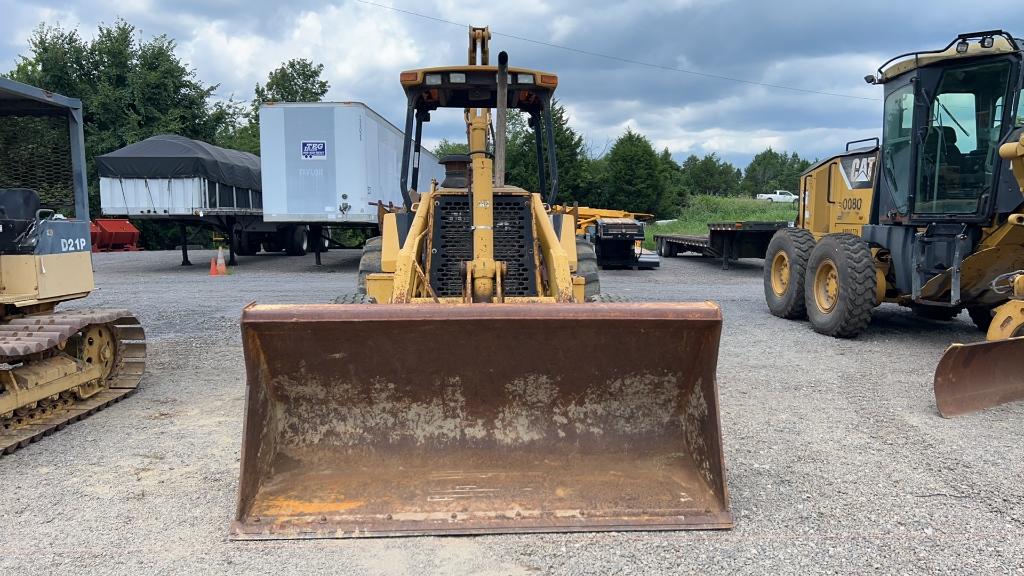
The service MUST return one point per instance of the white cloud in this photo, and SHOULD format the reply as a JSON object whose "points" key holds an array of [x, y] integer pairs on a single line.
{"points": [[358, 45]]}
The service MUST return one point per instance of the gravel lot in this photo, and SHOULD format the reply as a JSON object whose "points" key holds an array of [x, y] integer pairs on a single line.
{"points": [[837, 460]]}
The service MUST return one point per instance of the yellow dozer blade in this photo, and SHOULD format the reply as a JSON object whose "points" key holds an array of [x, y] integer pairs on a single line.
{"points": [[384, 420], [973, 377]]}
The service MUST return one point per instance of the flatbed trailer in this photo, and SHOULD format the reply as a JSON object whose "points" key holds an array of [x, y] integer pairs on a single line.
{"points": [[726, 240]]}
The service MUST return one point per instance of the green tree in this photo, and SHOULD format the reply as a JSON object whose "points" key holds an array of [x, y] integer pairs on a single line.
{"points": [[297, 80], [574, 182], [634, 179], [710, 175], [674, 193], [447, 147], [130, 89], [770, 170]]}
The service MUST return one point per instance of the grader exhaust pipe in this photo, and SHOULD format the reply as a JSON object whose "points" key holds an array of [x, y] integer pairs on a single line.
{"points": [[384, 420]]}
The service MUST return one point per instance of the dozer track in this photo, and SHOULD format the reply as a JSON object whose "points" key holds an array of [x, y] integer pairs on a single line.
{"points": [[58, 368]]}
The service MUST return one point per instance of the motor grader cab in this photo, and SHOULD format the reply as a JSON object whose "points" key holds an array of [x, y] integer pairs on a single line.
{"points": [[469, 386], [929, 217], [55, 367]]}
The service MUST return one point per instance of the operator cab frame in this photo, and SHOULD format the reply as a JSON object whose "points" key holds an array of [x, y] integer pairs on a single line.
{"points": [[475, 86], [945, 114]]}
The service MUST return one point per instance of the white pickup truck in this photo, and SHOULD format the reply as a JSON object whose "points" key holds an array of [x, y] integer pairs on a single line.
{"points": [[779, 196]]}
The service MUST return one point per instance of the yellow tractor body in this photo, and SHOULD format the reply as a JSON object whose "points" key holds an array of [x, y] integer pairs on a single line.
{"points": [[471, 385]]}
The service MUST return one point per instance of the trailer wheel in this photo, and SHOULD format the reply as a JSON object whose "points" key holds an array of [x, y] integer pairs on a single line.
{"points": [[839, 288], [298, 241], [369, 263], [271, 246], [586, 266], [667, 249], [785, 265], [981, 316], [242, 244]]}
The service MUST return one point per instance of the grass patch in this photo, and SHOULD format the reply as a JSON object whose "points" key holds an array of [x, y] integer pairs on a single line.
{"points": [[703, 209]]}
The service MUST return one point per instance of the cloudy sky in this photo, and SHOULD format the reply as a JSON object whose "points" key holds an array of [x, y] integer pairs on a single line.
{"points": [[816, 45]]}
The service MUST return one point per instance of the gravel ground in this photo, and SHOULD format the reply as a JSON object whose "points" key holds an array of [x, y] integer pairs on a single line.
{"points": [[837, 460]]}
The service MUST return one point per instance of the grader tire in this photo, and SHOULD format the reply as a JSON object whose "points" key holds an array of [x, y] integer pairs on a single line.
{"points": [[981, 316], [369, 263], [940, 313], [839, 288], [785, 266]]}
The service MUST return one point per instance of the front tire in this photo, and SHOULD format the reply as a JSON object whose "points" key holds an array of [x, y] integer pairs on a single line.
{"points": [[785, 266], [369, 263], [586, 266], [839, 287]]}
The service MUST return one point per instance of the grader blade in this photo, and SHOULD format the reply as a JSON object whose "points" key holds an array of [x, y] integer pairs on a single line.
{"points": [[972, 377], [385, 420]]}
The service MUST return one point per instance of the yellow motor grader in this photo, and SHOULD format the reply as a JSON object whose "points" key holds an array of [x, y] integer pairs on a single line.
{"points": [[470, 386], [55, 366], [930, 217]]}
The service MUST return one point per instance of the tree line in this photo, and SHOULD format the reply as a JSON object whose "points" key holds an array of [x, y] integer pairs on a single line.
{"points": [[633, 175], [133, 88]]}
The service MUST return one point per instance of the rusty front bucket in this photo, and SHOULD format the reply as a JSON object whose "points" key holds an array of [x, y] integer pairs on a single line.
{"points": [[972, 377], [386, 420]]}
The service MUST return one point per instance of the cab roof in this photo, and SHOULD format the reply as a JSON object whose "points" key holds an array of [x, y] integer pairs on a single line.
{"points": [[1002, 43], [476, 87]]}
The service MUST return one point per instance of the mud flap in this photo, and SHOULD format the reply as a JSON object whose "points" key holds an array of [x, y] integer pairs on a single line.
{"points": [[377, 420], [972, 377]]}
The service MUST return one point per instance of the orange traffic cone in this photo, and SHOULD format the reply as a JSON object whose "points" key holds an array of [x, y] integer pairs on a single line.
{"points": [[213, 266], [222, 268]]}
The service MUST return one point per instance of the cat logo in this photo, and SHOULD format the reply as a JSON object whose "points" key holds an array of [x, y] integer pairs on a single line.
{"points": [[863, 169], [859, 171]]}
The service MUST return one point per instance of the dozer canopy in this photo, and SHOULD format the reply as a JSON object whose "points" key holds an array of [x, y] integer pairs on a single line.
{"points": [[411, 419]]}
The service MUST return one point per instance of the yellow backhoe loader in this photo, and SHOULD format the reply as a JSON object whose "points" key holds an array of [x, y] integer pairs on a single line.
{"points": [[930, 217], [55, 367], [469, 386]]}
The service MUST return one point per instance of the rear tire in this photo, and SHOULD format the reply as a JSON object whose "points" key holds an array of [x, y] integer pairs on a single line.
{"points": [[369, 263], [298, 241], [355, 299], [785, 267], [839, 287], [981, 316], [586, 258]]}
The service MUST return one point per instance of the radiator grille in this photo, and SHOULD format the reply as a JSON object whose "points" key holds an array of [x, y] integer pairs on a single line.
{"points": [[452, 244]]}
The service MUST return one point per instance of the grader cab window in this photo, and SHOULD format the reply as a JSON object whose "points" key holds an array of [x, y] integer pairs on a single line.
{"points": [[958, 144], [897, 133]]}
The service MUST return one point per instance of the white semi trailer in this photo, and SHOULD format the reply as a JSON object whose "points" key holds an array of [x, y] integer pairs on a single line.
{"points": [[323, 165]]}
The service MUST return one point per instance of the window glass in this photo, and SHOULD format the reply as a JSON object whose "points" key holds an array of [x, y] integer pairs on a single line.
{"points": [[957, 153], [897, 128]]}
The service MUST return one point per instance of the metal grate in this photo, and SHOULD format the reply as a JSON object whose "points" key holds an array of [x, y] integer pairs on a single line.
{"points": [[513, 244], [37, 155], [452, 244]]}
